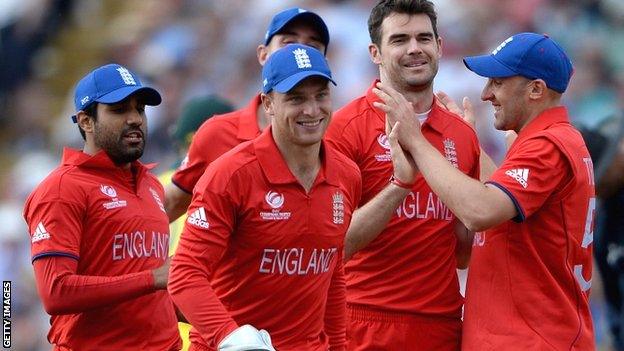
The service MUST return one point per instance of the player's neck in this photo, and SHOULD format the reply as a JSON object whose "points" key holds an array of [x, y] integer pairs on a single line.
{"points": [[303, 161], [421, 98]]}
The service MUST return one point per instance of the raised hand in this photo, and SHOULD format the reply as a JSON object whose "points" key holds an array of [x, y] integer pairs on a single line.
{"points": [[467, 113], [398, 109], [404, 166]]}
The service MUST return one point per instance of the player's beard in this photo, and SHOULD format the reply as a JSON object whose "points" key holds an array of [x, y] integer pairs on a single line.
{"points": [[116, 147]]}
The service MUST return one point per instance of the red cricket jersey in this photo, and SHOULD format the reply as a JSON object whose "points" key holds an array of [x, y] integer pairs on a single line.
{"points": [[112, 223], [256, 249], [215, 137], [411, 266], [529, 279]]}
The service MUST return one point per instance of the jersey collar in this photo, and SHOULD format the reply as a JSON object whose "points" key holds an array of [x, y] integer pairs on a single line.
{"points": [[543, 121], [435, 120], [248, 122], [276, 170], [75, 157]]}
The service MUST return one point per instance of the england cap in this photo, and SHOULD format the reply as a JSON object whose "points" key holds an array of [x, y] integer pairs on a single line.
{"points": [[281, 19], [290, 65], [531, 55], [110, 84]]}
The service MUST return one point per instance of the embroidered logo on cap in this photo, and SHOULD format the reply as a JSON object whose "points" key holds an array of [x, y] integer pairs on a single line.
{"points": [[126, 76], [302, 58]]}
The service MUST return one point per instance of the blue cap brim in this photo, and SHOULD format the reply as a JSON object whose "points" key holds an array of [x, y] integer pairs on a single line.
{"points": [[488, 66], [287, 84], [149, 96]]}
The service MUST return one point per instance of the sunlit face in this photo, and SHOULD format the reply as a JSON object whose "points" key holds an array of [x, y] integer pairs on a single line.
{"points": [[296, 32], [409, 52], [120, 130], [300, 116], [509, 97]]}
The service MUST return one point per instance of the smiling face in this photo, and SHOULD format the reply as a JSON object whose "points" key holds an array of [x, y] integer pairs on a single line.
{"points": [[510, 99], [409, 52], [300, 116], [120, 130]]}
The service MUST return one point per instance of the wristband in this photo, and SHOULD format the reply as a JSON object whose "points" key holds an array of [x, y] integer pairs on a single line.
{"points": [[400, 184]]}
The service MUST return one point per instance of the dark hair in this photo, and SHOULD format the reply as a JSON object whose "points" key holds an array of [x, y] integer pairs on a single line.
{"points": [[385, 8], [90, 111]]}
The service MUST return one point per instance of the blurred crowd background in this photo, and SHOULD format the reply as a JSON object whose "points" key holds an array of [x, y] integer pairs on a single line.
{"points": [[190, 48]]}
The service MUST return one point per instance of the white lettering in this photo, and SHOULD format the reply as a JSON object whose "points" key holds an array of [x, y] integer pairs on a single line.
{"points": [[295, 261], [264, 260], [116, 255], [434, 208], [589, 165], [137, 245]]}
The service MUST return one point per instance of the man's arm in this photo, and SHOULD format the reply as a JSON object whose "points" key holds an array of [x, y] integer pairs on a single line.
{"points": [[63, 291], [477, 205], [335, 309], [371, 219], [176, 201]]}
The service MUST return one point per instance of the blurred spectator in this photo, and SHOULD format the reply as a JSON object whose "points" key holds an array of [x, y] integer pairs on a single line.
{"points": [[606, 145]]}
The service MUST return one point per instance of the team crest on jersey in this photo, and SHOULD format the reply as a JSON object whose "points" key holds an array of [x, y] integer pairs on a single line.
{"points": [[338, 208], [112, 193], [276, 201], [382, 140], [450, 152], [157, 199]]}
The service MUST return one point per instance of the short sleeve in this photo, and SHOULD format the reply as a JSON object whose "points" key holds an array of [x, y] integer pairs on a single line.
{"points": [[55, 228], [194, 164], [342, 136], [531, 174], [210, 219]]}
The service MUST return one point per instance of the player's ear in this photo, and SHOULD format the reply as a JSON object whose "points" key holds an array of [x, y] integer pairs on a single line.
{"points": [[85, 122], [537, 89], [375, 53], [267, 104], [263, 54]]}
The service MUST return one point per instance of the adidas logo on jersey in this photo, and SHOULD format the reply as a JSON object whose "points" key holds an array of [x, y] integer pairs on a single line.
{"points": [[521, 175], [40, 233], [198, 218]]}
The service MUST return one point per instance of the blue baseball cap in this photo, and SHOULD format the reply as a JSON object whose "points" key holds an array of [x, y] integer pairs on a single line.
{"points": [[110, 84], [283, 18], [531, 55], [290, 65]]}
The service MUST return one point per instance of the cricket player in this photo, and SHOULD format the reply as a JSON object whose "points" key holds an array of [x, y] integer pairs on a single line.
{"points": [[530, 275], [402, 245], [259, 265], [220, 134], [98, 227], [194, 113]]}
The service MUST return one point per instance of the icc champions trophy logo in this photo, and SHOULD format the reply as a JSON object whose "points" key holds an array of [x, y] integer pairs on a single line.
{"points": [[274, 199]]}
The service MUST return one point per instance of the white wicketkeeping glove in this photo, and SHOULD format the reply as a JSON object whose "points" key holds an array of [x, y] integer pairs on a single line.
{"points": [[247, 338]]}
